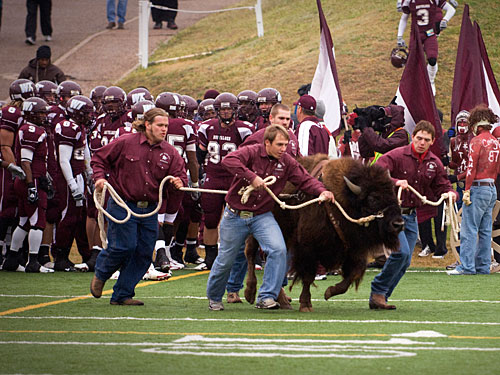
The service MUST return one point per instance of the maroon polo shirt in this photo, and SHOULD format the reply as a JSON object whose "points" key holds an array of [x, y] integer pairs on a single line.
{"points": [[248, 162], [258, 138], [428, 176], [136, 168]]}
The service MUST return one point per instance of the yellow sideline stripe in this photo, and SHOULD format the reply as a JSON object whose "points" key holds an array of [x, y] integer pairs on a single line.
{"points": [[232, 334], [109, 291]]}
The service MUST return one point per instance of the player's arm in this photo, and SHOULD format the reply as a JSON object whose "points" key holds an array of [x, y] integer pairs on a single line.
{"points": [[26, 160], [403, 21], [6, 142]]}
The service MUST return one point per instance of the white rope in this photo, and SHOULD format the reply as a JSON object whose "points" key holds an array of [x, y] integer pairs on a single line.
{"points": [[201, 11]]}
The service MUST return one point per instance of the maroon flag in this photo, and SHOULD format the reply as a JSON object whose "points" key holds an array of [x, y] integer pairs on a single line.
{"points": [[325, 84], [491, 86], [415, 92], [468, 82]]}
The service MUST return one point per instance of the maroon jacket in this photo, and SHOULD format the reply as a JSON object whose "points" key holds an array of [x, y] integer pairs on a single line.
{"points": [[258, 138], [136, 169], [248, 162], [427, 177]]}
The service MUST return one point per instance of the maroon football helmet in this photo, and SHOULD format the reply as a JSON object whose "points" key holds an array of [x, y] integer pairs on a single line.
{"points": [[247, 105], [22, 89], [190, 108], [170, 102], [66, 90], [266, 98], [137, 95], [113, 101], [399, 56], [47, 90], [139, 108], [206, 109], [80, 109], [226, 107], [96, 95], [35, 110]]}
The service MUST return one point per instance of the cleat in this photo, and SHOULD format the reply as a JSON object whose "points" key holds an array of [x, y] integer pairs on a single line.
{"points": [[425, 252], [82, 267], [115, 275], [162, 262], [201, 267], [11, 261], [35, 267], [153, 274]]}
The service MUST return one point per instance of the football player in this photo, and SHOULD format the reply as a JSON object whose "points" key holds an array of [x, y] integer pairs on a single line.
{"points": [[266, 98]]}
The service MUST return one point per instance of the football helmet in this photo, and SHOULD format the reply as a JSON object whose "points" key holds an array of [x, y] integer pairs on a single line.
{"points": [[47, 90], [266, 98], [66, 90], [137, 95], [96, 95], [170, 102], [247, 105], [113, 101], [226, 107], [206, 109], [139, 108], [22, 89], [35, 110], [399, 56], [80, 109], [190, 108]]}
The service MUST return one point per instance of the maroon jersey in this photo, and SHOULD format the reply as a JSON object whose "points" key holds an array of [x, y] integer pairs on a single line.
{"points": [[33, 138], [426, 13], [11, 118], [220, 141], [313, 138], [56, 114], [71, 134], [124, 130], [258, 138], [181, 135], [105, 130]]}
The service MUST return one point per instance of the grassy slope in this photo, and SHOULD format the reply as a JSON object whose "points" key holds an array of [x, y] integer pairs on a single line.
{"points": [[287, 55]]}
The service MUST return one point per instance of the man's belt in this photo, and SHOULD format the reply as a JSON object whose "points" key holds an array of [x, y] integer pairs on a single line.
{"points": [[407, 211], [242, 214], [483, 183], [140, 204]]}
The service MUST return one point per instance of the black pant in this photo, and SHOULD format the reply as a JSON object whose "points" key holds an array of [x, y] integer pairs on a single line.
{"points": [[45, 10], [425, 232], [160, 15]]}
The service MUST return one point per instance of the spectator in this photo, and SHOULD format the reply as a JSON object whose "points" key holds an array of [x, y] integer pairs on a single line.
{"points": [[41, 68], [45, 22], [113, 10], [312, 136], [161, 15]]}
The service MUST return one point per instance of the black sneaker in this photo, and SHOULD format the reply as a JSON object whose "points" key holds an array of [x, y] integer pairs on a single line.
{"points": [[35, 267], [64, 265], [161, 262], [11, 262], [171, 25], [176, 254]]}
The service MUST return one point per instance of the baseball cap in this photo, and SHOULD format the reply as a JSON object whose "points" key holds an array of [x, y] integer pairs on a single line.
{"points": [[306, 101]]}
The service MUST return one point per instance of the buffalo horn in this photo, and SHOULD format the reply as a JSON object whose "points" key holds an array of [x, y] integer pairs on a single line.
{"points": [[352, 187]]}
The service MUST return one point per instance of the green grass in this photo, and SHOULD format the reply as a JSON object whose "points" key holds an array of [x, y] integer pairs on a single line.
{"points": [[177, 309], [286, 56]]}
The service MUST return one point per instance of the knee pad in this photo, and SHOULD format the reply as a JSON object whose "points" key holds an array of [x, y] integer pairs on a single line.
{"points": [[432, 61]]}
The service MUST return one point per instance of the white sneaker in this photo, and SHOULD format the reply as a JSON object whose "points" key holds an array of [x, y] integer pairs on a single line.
{"points": [[115, 276], [201, 267], [20, 269], [153, 274], [44, 269], [49, 265], [176, 265], [258, 267], [320, 277], [215, 306], [48, 38], [83, 267], [425, 252]]}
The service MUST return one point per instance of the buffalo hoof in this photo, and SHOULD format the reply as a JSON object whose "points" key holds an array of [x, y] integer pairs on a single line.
{"points": [[284, 300], [250, 293], [305, 308], [330, 292]]}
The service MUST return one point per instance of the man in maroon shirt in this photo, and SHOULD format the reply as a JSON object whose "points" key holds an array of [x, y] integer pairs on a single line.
{"points": [[146, 157], [251, 165], [312, 137], [479, 196], [417, 166]]}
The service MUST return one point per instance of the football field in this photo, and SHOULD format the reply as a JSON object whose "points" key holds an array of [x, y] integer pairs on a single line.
{"points": [[49, 324]]}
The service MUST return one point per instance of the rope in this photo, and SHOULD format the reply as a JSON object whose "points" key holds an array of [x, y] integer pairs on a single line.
{"points": [[450, 216]]}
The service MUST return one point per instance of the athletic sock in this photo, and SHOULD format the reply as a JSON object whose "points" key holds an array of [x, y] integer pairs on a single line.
{"points": [[210, 254]]}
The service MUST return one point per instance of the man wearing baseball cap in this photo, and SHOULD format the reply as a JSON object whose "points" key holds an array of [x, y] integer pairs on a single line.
{"points": [[312, 137]]}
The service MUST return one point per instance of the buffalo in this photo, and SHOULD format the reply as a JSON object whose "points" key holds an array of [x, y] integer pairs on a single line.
{"points": [[320, 234]]}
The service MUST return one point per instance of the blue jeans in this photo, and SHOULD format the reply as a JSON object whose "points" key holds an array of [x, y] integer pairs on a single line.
{"points": [[233, 233], [130, 249], [238, 272], [398, 262], [475, 232], [112, 10]]}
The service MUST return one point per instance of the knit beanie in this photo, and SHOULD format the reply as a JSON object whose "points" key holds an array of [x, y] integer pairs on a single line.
{"points": [[43, 52]]}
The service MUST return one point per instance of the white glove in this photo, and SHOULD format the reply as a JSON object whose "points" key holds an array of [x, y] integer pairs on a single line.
{"points": [[443, 25], [399, 6], [16, 171], [75, 190], [453, 3], [401, 42], [195, 195]]}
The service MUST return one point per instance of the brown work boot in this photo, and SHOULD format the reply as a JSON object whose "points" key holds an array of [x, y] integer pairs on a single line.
{"points": [[377, 302], [233, 297], [128, 302], [96, 286], [111, 25]]}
